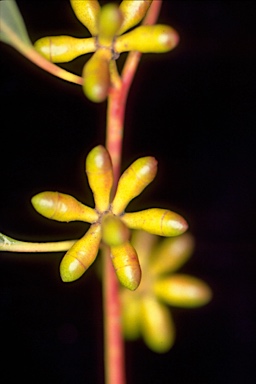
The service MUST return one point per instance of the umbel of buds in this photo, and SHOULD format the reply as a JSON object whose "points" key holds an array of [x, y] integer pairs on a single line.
{"points": [[110, 223], [107, 25], [145, 312]]}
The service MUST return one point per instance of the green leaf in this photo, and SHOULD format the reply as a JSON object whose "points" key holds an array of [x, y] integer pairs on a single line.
{"points": [[12, 26]]}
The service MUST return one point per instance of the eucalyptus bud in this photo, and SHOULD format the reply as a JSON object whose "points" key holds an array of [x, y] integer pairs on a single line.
{"points": [[182, 291], [62, 49], [156, 325], [81, 255], [126, 264], [148, 38], [109, 21], [100, 176], [156, 221], [114, 231], [87, 12], [96, 76], [133, 181], [62, 207], [133, 12]]}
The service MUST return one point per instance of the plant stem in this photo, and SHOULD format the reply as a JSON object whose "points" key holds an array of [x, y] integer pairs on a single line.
{"points": [[113, 340], [13, 245], [31, 54]]}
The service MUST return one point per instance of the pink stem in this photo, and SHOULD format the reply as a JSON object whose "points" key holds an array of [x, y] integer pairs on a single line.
{"points": [[114, 344]]}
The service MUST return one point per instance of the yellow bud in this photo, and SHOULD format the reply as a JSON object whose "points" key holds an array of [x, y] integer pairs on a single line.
{"points": [[133, 12], [81, 255], [157, 221], [148, 38], [96, 75], [114, 231], [156, 325], [100, 176], [87, 12], [62, 207], [182, 291], [171, 254], [109, 21], [61, 49], [133, 181], [130, 315], [126, 264]]}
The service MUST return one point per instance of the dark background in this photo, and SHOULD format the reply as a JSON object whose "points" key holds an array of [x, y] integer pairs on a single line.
{"points": [[194, 110]]}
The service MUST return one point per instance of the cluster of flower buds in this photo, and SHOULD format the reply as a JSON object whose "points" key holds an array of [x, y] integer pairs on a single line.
{"points": [[144, 312], [107, 25], [109, 222]]}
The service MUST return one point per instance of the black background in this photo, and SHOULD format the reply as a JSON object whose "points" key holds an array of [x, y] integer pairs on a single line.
{"points": [[194, 110]]}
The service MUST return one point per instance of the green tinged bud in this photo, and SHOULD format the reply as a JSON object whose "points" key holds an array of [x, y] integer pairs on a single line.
{"points": [[62, 207], [156, 325], [109, 22], [96, 75], [131, 308], [114, 231], [81, 255]]}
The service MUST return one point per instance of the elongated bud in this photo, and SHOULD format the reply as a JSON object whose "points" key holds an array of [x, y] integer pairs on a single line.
{"points": [[96, 75], [133, 12], [133, 181], [114, 231], [100, 176], [109, 21], [148, 38], [182, 291], [171, 254], [87, 12], [126, 264], [156, 325], [130, 314], [62, 207], [81, 255], [157, 221], [61, 49]]}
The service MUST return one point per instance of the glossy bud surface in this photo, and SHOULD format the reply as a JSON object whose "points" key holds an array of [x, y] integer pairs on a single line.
{"points": [[126, 264], [62, 49], [114, 231], [133, 12], [148, 38], [96, 75], [133, 181], [81, 255], [100, 176], [87, 12], [156, 221], [62, 207], [109, 21]]}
